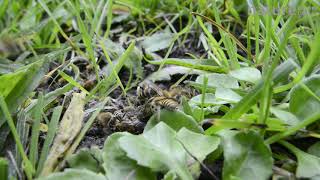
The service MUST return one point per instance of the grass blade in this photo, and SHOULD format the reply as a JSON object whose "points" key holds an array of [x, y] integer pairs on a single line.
{"points": [[293, 129], [106, 83], [37, 114], [310, 62], [53, 127], [28, 167], [3, 169], [73, 82]]}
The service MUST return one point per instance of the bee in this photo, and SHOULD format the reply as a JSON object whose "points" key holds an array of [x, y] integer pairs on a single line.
{"points": [[177, 92], [148, 89], [89, 84], [164, 102], [104, 118], [118, 114], [125, 120], [160, 98]]}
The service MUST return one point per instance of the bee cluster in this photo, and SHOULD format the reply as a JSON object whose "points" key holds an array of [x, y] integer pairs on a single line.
{"points": [[122, 118], [158, 98], [150, 99], [126, 120]]}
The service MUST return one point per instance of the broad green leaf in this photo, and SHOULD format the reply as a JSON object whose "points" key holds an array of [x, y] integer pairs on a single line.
{"points": [[210, 100], [186, 107], [162, 149], [245, 156], [248, 74], [135, 63], [115, 50], [118, 166], [171, 175], [227, 95], [219, 81], [17, 86], [74, 174], [157, 41], [285, 116], [9, 81], [315, 149], [308, 165], [198, 144], [280, 74], [305, 98], [89, 159], [165, 74], [175, 120], [197, 111]]}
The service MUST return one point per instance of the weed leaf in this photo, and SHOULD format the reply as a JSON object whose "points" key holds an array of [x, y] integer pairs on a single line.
{"points": [[210, 100], [219, 80], [91, 157], [227, 95], [248, 74], [118, 166], [305, 98], [245, 156], [175, 120], [315, 149], [162, 149], [74, 174], [157, 41]]}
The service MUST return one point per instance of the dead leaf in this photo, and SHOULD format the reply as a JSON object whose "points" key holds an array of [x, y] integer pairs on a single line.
{"points": [[69, 128]]}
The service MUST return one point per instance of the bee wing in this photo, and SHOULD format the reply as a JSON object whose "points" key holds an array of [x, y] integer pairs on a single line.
{"points": [[148, 89]]}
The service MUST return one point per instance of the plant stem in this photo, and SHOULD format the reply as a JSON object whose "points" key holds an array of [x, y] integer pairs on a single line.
{"points": [[293, 129]]}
